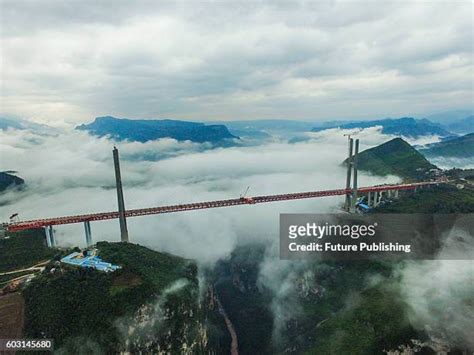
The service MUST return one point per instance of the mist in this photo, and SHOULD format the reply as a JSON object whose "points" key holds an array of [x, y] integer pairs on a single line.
{"points": [[440, 292], [72, 173]]}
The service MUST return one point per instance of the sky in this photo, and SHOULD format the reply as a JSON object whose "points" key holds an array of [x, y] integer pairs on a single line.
{"points": [[67, 62]]}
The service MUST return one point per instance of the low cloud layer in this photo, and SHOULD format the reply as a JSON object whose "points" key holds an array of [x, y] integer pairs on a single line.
{"points": [[72, 173], [67, 62], [440, 293]]}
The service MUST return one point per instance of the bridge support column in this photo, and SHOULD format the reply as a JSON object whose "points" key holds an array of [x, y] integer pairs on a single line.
{"points": [[376, 198], [121, 204], [396, 193], [50, 240], [87, 229], [369, 199], [354, 185], [347, 204]]}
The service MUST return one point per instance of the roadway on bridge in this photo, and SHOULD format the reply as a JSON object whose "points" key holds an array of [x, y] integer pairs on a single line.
{"points": [[40, 223]]}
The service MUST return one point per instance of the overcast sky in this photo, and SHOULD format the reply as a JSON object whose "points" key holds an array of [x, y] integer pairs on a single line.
{"points": [[66, 62]]}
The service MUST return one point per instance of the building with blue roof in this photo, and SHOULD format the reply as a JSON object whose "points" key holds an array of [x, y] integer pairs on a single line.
{"points": [[89, 259]]}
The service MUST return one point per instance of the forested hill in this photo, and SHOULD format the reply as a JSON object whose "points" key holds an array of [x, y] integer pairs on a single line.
{"points": [[150, 305], [395, 157], [460, 147]]}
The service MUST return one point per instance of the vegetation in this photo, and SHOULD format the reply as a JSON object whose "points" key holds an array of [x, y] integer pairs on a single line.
{"points": [[441, 199], [247, 306], [405, 126], [377, 321], [329, 308], [104, 311], [24, 249], [395, 157], [461, 147]]}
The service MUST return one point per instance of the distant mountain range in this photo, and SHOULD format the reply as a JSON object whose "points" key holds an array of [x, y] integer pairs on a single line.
{"points": [[146, 130], [465, 125], [405, 126], [448, 117], [7, 180], [460, 147], [395, 157], [263, 129], [20, 124]]}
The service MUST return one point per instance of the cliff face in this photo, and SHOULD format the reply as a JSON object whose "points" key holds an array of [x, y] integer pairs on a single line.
{"points": [[146, 130], [152, 304]]}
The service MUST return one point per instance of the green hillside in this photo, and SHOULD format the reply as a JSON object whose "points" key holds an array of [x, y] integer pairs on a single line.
{"points": [[461, 147], [440, 199], [151, 304], [395, 157], [23, 249]]}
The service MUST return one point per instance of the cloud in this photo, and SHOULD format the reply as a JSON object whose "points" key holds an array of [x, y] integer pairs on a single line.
{"points": [[64, 63], [440, 292], [72, 173]]}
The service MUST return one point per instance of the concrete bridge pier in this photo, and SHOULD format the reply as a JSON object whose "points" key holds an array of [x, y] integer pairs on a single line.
{"points": [[354, 183], [376, 199], [396, 194], [50, 239], [87, 229], [369, 199]]}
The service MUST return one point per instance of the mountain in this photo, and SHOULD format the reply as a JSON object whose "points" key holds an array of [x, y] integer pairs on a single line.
{"points": [[395, 157], [465, 125], [264, 129], [405, 126], [152, 304], [20, 124], [460, 147], [6, 123], [439, 199], [146, 130], [447, 117], [7, 180]]}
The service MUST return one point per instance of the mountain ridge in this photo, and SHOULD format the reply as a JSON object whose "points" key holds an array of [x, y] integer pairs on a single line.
{"points": [[395, 157], [404, 126], [460, 147], [144, 130]]}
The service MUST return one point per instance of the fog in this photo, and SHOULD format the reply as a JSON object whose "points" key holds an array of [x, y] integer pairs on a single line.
{"points": [[451, 162], [440, 292], [72, 173]]}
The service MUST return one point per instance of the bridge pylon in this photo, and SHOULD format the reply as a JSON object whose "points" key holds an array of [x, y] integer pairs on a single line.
{"points": [[50, 239], [121, 203], [350, 143]]}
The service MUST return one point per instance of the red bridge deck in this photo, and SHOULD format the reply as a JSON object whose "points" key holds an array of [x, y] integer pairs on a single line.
{"points": [[39, 223]]}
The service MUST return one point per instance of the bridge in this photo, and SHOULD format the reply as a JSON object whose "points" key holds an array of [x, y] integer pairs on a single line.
{"points": [[373, 193], [41, 223]]}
